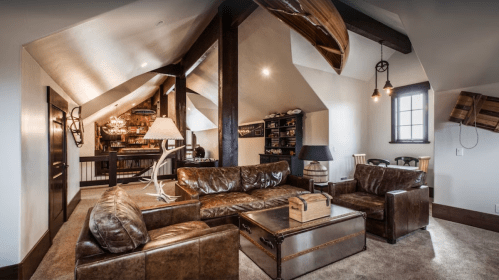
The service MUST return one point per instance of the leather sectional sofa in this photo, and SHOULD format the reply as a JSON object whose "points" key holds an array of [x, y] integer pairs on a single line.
{"points": [[395, 200], [120, 241], [226, 191]]}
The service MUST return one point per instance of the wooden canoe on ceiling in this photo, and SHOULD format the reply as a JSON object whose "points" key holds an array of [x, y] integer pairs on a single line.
{"points": [[319, 22]]}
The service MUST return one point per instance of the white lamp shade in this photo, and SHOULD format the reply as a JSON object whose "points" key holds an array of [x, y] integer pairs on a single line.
{"points": [[163, 129]]}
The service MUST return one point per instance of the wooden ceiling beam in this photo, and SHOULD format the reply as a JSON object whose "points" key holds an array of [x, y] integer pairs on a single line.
{"points": [[239, 9], [370, 28]]}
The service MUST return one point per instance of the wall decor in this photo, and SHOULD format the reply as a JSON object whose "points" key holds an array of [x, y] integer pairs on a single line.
{"points": [[251, 130], [76, 126]]}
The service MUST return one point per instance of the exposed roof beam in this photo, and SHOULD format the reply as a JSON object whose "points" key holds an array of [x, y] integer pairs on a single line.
{"points": [[370, 28], [240, 10], [170, 70]]}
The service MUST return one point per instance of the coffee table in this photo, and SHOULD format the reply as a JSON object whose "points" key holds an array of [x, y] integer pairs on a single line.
{"points": [[285, 249]]}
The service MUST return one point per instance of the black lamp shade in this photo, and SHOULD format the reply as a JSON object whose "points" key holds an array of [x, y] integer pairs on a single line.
{"points": [[317, 153]]}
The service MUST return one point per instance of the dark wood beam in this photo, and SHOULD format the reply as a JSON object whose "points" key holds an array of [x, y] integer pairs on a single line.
{"points": [[227, 89], [240, 10], [163, 101], [180, 112], [370, 28], [170, 70]]}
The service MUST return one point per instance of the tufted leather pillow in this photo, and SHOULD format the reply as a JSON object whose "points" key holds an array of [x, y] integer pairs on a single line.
{"points": [[117, 223], [210, 180], [264, 176]]}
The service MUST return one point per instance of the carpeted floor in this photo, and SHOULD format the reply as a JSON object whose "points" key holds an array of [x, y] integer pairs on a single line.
{"points": [[445, 251]]}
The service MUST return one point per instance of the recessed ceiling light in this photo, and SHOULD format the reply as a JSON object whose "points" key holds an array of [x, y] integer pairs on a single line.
{"points": [[144, 64], [266, 71], [189, 109], [133, 104]]}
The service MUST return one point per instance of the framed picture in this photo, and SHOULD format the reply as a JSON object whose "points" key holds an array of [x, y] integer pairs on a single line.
{"points": [[251, 130]]}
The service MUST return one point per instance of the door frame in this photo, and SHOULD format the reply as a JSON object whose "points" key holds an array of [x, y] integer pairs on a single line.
{"points": [[54, 99]]}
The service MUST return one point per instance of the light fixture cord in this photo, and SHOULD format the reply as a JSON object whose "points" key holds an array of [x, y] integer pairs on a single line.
{"points": [[476, 129]]}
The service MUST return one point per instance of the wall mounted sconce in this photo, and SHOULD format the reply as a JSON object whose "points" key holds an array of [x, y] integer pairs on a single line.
{"points": [[76, 126]]}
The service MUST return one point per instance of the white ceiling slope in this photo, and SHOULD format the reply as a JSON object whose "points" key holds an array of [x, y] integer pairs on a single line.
{"points": [[264, 42], [127, 102], [456, 41], [364, 54], [200, 118], [93, 57]]}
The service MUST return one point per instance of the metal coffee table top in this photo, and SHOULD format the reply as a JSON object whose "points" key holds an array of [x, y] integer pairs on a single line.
{"points": [[276, 220]]}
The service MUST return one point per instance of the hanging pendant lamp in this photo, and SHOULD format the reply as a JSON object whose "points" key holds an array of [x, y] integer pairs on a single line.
{"points": [[382, 66]]}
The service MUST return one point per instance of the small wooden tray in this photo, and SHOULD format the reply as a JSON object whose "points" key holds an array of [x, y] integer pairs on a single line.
{"points": [[309, 207]]}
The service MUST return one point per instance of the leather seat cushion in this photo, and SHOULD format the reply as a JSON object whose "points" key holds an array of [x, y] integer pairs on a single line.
{"points": [[263, 176], [116, 222], [277, 196], [176, 230], [379, 180], [210, 180], [224, 204], [372, 205]]}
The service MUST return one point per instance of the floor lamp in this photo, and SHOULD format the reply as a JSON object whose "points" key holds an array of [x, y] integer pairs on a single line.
{"points": [[162, 129]]}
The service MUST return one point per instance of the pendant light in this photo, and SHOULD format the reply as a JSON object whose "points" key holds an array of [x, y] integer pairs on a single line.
{"points": [[382, 66]]}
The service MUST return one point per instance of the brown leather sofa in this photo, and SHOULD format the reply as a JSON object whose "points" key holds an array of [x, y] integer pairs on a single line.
{"points": [[226, 191], [395, 200], [180, 246]]}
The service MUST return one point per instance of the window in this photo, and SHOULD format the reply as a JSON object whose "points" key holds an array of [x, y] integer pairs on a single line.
{"points": [[410, 114]]}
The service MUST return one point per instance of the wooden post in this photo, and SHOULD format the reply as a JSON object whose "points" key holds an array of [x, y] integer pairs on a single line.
{"points": [[227, 88], [180, 112], [163, 101], [113, 169]]}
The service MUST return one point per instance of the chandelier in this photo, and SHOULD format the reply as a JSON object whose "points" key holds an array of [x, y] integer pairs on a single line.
{"points": [[116, 126], [382, 66]]}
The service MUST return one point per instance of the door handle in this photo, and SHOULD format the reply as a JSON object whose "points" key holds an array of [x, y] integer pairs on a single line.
{"points": [[267, 242]]}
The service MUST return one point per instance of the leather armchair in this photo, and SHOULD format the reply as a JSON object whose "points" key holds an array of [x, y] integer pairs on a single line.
{"points": [[181, 247], [391, 214]]}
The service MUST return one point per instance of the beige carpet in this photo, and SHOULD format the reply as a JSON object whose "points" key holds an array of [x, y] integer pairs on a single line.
{"points": [[445, 251]]}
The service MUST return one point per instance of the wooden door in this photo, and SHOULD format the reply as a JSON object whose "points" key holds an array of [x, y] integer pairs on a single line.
{"points": [[58, 107]]}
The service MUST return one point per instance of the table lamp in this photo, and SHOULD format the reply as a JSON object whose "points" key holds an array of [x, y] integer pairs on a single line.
{"points": [[315, 170], [162, 129]]}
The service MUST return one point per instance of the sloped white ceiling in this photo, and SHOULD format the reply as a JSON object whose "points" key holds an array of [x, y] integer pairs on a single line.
{"points": [[93, 57], [456, 41]]}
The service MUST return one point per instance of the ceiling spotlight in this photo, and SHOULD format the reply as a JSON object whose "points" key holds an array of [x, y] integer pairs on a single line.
{"points": [[189, 109], [133, 104], [266, 71], [144, 64]]}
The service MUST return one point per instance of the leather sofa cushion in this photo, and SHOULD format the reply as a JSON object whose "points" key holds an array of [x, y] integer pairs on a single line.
{"points": [[176, 230], [116, 222], [277, 196], [264, 175], [373, 205], [210, 180], [224, 204], [380, 180]]}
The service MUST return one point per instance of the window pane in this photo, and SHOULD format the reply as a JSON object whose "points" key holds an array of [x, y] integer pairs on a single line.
{"points": [[417, 117], [417, 101], [405, 103], [405, 118], [417, 132], [404, 133]]}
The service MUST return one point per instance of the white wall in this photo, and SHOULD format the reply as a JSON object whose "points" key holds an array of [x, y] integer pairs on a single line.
{"points": [[208, 139], [405, 69], [34, 143], [346, 99], [471, 181], [22, 22]]}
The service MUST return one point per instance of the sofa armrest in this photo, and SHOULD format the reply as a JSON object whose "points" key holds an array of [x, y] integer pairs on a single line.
{"points": [[343, 187], [193, 252], [300, 182], [87, 245], [185, 192], [173, 213], [406, 210]]}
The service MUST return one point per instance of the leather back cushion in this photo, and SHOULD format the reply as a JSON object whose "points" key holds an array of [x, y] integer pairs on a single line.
{"points": [[264, 175], [211, 180], [116, 222], [380, 180]]}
